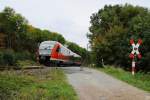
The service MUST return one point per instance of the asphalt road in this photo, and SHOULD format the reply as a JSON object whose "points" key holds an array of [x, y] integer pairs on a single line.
{"points": [[91, 84]]}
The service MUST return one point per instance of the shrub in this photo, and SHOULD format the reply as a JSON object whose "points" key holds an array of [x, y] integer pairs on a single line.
{"points": [[9, 57], [1, 59], [23, 55]]}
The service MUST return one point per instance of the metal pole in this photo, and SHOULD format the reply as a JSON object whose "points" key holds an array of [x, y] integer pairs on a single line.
{"points": [[133, 67], [87, 54], [102, 62]]}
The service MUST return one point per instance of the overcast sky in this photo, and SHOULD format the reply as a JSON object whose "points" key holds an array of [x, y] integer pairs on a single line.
{"points": [[68, 17]]}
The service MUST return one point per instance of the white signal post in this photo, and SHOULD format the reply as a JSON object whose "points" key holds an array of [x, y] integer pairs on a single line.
{"points": [[135, 51], [133, 67]]}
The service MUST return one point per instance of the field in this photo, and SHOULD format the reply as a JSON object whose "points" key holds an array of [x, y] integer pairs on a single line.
{"points": [[139, 80], [37, 84]]}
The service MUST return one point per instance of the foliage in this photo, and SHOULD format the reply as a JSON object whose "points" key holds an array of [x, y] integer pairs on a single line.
{"points": [[111, 29], [41, 84], [13, 25], [9, 58], [140, 79]]}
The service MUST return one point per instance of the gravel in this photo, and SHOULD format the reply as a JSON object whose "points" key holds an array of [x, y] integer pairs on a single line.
{"points": [[91, 84]]}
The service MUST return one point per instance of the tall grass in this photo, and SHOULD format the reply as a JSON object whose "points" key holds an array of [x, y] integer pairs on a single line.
{"points": [[139, 80], [35, 85]]}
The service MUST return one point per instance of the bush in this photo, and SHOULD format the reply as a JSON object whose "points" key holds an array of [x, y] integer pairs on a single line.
{"points": [[23, 56], [1, 58], [9, 57]]}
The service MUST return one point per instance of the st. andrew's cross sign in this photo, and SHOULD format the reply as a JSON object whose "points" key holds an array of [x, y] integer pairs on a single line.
{"points": [[135, 49], [135, 52]]}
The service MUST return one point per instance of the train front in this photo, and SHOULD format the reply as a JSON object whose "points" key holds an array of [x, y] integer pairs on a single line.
{"points": [[45, 50]]}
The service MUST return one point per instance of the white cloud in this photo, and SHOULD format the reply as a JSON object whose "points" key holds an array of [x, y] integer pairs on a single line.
{"points": [[68, 17]]}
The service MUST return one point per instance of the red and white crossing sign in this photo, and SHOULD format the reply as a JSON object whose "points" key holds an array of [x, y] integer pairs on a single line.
{"points": [[135, 49]]}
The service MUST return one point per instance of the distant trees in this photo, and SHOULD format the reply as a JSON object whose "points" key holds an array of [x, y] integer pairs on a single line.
{"points": [[111, 29]]}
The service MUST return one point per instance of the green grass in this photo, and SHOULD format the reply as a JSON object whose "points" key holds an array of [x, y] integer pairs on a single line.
{"points": [[139, 80], [40, 85], [26, 64]]}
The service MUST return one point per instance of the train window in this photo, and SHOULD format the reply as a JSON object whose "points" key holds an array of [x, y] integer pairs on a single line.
{"points": [[46, 46]]}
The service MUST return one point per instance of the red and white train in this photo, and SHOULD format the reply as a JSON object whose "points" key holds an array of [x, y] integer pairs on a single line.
{"points": [[53, 52]]}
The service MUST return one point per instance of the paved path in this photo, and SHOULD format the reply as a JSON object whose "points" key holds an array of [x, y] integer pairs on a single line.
{"points": [[91, 84]]}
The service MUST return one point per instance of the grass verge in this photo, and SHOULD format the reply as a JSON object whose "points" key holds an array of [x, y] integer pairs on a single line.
{"points": [[39, 84], [27, 64], [139, 80]]}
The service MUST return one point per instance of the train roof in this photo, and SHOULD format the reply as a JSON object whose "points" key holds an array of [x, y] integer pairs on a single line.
{"points": [[45, 42]]}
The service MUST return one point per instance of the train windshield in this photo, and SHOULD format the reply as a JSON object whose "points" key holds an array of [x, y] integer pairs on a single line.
{"points": [[45, 48]]}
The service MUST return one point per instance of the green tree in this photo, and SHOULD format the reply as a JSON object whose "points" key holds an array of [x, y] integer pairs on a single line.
{"points": [[13, 25]]}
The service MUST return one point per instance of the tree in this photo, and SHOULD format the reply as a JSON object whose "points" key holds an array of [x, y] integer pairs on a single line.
{"points": [[13, 25]]}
